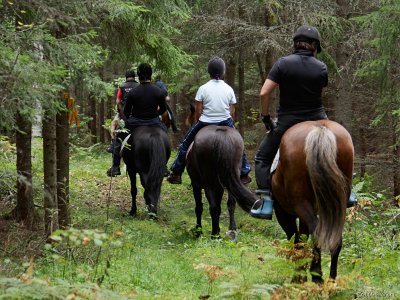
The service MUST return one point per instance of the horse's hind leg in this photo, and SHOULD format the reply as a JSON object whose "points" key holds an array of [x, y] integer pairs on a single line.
{"points": [[132, 178], [214, 196], [334, 261], [198, 209], [288, 224], [307, 226], [232, 234]]}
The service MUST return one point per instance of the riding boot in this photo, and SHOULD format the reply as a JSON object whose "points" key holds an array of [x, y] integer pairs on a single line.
{"points": [[116, 158], [352, 201], [265, 205], [262, 209]]}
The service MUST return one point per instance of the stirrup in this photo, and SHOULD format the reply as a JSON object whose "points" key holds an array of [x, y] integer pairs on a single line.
{"points": [[264, 211]]}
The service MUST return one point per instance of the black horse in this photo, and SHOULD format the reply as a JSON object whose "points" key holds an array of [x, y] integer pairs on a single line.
{"points": [[147, 155], [213, 164]]}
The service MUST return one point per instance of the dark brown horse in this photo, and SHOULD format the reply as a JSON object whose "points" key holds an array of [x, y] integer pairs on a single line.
{"points": [[166, 119], [191, 117], [312, 182], [213, 164]]}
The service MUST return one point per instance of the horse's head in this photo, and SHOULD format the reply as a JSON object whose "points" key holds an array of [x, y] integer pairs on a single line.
{"points": [[190, 119]]}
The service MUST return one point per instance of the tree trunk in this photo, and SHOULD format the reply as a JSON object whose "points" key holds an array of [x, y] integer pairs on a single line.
{"points": [[93, 122], [230, 72], [396, 167], [261, 70], [62, 149], [25, 210], [343, 105], [241, 103], [50, 175], [363, 152], [102, 133]]}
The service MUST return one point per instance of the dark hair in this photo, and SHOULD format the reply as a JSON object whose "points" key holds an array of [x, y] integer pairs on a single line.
{"points": [[144, 72], [216, 67], [130, 73], [310, 45]]}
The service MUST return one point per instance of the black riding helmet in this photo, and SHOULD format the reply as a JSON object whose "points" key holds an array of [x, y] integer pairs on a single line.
{"points": [[307, 33], [216, 67], [130, 73], [144, 71]]}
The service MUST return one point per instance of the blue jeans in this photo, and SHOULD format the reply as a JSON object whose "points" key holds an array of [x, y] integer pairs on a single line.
{"points": [[180, 161]]}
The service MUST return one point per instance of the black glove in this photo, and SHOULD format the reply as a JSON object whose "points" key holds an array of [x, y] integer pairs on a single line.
{"points": [[268, 122]]}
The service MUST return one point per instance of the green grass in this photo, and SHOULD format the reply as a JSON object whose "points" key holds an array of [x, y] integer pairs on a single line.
{"points": [[109, 255]]}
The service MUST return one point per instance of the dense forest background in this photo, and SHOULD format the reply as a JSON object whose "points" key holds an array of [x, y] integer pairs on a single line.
{"points": [[61, 61], [60, 65], [54, 53]]}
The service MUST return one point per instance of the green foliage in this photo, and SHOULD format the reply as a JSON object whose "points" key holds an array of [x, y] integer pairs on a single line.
{"points": [[35, 289], [148, 259], [7, 168], [143, 33], [82, 255], [381, 65]]}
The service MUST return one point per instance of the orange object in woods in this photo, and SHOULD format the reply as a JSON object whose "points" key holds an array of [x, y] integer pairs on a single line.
{"points": [[73, 113]]}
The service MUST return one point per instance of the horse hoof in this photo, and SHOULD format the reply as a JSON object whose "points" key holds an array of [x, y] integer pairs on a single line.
{"points": [[132, 213], [317, 279], [197, 232], [232, 235], [215, 237], [152, 216], [299, 279]]}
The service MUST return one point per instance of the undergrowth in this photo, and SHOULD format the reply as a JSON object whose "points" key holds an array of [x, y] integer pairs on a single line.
{"points": [[106, 254]]}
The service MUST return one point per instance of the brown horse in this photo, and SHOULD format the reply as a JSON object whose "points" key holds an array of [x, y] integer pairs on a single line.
{"points": [[312, 182], [166, 119], [213, 164], [191, 117]]}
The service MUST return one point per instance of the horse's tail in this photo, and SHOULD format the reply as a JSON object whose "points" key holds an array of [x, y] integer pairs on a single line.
{"points": [[157, 153], [329, 185], [229, 171]]}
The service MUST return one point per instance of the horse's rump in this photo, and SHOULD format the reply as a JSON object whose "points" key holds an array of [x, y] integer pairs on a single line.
{"points": [[215, 160], [150, 151], [314, 177], [216, 150]]}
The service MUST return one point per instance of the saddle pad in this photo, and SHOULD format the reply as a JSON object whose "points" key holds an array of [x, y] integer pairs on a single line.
{"points": [[124, 142], [275, 162]]}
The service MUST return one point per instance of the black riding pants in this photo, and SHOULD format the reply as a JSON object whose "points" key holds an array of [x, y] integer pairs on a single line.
{"points": [[270, 144]]}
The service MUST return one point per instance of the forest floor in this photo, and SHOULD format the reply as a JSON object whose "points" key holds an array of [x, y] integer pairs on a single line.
{"points": [[107, 254]]}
